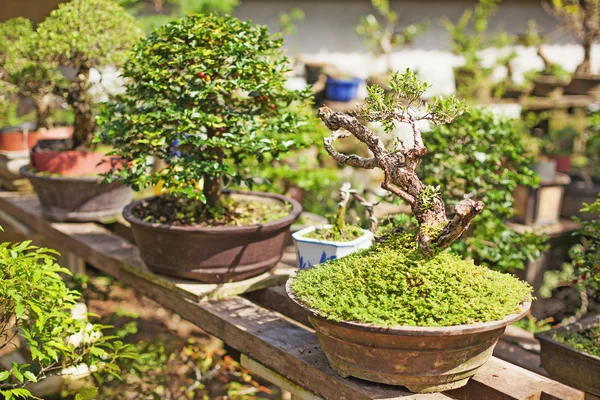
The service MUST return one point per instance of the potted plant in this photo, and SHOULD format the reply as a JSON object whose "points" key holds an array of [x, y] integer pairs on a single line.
{"points": [[508, 88], [341, 87], [585, 185], [204, 94], [582, 20], [39, 320], [80, 34], [380, 36], [405, 311], [571, 353], [481, 155], [26, 78], [317, 244]]}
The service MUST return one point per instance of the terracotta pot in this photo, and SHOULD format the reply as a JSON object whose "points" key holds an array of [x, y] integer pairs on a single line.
{"points": [[71, 163], [548, 86], [18, 141], [214, 254], [568, 365], [577, 193], [60, 132], [584, 85], [65, 198], [423, 359], [563, 163]]}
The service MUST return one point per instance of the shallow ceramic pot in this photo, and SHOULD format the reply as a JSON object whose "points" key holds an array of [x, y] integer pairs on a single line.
{"points": [[568, 365], [584, 85], [314, 251], [69, 198], [423, 359], [548, 86], [214, 254]]}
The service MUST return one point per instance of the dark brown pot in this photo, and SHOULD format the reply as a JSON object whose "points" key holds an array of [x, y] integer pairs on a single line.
{"points": [[568, 365], [584, 85], [422, 359], [546, 86], [78, 198], [577, 193], [213, 254]]}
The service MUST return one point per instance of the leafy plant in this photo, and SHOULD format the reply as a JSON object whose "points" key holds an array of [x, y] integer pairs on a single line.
{"points": [[154, 13], [37, 307], [21, 74], [380, 35], [85, 34], [585, 256], [287, 21], [587, 157], [582, 19], [533, 38], [204, 94], [480, 155]]}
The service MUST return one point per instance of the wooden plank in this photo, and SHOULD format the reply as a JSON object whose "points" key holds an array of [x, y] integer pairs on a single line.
{"points": [[94, 240], [517, 355], [280, 345]]}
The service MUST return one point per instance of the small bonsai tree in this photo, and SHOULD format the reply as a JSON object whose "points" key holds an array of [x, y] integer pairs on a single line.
{"points": [[380, 35], [480, 155], [204, 94], [85, 34], [21, 74], [399, 164], [36, 309], [585, 256], [582, 19], [586, 158]]}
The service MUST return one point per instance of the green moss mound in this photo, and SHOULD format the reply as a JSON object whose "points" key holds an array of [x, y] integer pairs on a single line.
{"points": [[587, 341], [393, 284], [349, 234]]}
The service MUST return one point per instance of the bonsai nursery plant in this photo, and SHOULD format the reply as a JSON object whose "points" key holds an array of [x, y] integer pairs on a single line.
{"points": [[204, 94], [405, 311], [81, 34], [38, 320], [571, 353], [581, 18], [317, 244]]}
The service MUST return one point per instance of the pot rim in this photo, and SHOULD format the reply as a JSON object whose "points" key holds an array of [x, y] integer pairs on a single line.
{"points": [[298, 237], [24, 171], [574, 327], [271, 225], [403, 330]]}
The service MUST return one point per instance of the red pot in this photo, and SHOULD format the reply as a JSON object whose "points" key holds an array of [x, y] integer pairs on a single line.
{"points": [[18, 141], [563, 164], [78, 163]]}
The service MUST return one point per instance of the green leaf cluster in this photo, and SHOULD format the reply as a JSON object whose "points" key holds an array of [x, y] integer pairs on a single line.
{"points": [[585, 256], [36, 306], [393, 284], [481, 156], [205, 94]]}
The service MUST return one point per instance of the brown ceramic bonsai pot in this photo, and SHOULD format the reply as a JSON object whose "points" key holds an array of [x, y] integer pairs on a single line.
{"points": [[584, 85], [577, 193], [547, 86], [423, 359], [568, 365], [70, 198], [214, 254]]}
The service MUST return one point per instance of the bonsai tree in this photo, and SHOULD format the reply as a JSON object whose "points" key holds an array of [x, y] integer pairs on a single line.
{"points": [[533, 38], [380, 35], [480, 155], [36, 309], [85, 34], [582, 19], [399, 164], [204, 94], [586, 158], [21, 74]]}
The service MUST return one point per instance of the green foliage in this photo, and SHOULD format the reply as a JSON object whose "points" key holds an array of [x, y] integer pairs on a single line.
{"points": [[587, 157], [587, 340], [37, 306], [585, 256], [398, 103], [204, 94], [393, 284], [379, 33], [287, 21], [154, 13], [480, 156]]}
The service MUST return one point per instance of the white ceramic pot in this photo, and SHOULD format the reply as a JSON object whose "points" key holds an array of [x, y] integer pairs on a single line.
{"points": [[313, 251]]}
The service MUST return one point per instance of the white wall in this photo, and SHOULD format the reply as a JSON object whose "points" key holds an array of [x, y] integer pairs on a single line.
{"points": [[327, 34]]}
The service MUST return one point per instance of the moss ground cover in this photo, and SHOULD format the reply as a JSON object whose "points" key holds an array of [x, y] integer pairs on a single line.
{"points": [[393, 284], [349, 234], [587, 341]]}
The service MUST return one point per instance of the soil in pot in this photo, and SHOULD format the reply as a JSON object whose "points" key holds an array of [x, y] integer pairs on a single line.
{"points": [[389, 315], [349, 234], [243, 238]]}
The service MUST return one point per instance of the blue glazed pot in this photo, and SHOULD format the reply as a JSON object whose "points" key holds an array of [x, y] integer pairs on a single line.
{"points": [[341, 89]]}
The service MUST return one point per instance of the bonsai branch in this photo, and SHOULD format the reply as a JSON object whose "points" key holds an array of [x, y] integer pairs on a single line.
{"points": [[352, 160]]}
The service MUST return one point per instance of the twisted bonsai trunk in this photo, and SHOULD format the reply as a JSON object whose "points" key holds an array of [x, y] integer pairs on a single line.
{"points": [[436, 231], [42, 109], [585, 68], [79, 99]]}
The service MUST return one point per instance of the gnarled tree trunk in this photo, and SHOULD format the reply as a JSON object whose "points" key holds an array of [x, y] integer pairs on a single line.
{"points": [[79, 99]]}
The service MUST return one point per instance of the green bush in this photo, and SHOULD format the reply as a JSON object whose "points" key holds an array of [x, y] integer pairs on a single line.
{"points": [[585, 256], [481, 156], [205, 94], [36, 306]]}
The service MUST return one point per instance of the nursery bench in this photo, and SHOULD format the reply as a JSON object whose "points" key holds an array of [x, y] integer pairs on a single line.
{"points": [[262, 324]]}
